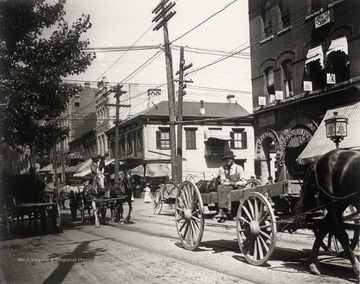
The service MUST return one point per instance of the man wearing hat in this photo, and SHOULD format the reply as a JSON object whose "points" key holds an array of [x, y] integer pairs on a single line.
{"points": [[231, 176]]}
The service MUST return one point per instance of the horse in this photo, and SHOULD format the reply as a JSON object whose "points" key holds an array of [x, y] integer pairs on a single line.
{"points": [[335, 178], [125, 186]]}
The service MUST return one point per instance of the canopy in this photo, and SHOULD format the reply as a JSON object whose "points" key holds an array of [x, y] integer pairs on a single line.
{"points": [[320, 145], [152, 170], [314, 54], [85, 169], [339, 44], [218, 134], [49, 168]]}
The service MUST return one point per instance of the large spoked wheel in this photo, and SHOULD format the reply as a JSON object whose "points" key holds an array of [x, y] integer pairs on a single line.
{"points": [[56, 217], [73, 204], [158, 203], [256, 228], [252, 182], [188, 215], [332, 246]]}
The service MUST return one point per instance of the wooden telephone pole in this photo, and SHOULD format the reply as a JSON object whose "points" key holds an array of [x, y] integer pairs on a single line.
{"points": [[182, 86], [163, 16], [118, 93]]}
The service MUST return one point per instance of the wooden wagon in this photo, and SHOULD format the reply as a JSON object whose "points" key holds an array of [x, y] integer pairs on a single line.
{"points": [[21, 198], [262, 212]]}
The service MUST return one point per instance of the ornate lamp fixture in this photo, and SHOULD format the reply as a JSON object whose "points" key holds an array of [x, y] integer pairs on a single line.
{"points": [[336, 128]]}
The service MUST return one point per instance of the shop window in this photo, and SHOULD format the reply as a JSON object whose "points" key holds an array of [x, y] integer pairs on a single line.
{"points": [[163, 138], [190, 138], [287, 76], [238, 139]]}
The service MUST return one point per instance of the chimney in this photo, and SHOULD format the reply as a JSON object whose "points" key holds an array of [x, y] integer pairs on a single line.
{"points": [[230, 98], [87, 84], [202, 107]]}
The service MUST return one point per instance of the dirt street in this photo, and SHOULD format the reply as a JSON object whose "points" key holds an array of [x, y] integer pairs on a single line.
{"points": [[147, 250]]}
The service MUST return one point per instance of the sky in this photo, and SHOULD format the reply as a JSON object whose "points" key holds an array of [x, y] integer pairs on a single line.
{"points": [[120, 24]]}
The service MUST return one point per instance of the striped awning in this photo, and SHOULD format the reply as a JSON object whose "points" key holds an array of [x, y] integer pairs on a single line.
{"points": [[320, 145]]}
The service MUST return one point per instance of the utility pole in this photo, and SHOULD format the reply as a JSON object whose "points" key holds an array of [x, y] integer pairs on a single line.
{"points": [[118, 92], [182, 86], [163, 16]]}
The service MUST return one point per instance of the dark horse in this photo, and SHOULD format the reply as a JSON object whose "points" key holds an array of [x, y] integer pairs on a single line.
{"points": [[336, 180], [126, 189]]}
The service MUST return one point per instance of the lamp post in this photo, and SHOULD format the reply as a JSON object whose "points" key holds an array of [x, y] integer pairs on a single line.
{"points": [[336, 128]]}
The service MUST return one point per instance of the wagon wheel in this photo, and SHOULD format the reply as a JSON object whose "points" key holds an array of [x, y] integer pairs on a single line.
{"points": [[332, 246], [43, 219], [256, 228], [189, 215], [56, 217], [252, 182], [73, 204], [158, 202]]}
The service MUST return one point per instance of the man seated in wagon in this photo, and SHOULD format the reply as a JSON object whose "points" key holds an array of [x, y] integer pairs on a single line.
{"points": [[231, 176]]}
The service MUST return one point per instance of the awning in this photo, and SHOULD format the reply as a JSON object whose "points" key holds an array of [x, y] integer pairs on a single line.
{"points": [[314, 54], [319, 144], [217, 134], [339, 44], [49, 169], [85, 170], [152, 170]]}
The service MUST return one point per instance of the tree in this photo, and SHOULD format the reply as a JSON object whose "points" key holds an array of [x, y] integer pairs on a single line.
{"points": [[32, 68]]}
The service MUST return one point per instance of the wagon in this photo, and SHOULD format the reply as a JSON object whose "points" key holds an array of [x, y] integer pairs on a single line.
{"points": [[81, 200], [262, 212], [16, 203]]}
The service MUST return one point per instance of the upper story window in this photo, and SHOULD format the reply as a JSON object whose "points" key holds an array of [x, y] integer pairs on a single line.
{"points": [[139, 140], [190, 138], [314, 68], [163, 138], [287, 77], [269, 82], [284, 6], [129, 140], [238, 138], [266, 15], [337, 61], [317, 4]]}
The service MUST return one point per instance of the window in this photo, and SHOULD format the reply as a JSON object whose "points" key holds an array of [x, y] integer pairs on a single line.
{"points": [[285, 13], [190, 137], [287, 77], [139, 140], [129, 143], [163, 138], [337, 64], [317, 4], [314, 67], [238, 138], [267, 19], [269, 84]]}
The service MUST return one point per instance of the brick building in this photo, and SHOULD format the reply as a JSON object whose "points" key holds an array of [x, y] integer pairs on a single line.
{"points": [[304, 61]]}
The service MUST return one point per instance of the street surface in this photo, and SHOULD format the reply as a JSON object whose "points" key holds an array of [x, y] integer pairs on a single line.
{"points": [[147, 250]]}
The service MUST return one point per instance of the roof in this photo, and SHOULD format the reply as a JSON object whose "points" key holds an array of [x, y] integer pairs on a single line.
{"points": [[319, 144], [191, 109]]}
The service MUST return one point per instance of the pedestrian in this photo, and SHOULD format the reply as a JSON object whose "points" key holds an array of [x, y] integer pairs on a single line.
{"points": [[231, 177], [147, 195]]}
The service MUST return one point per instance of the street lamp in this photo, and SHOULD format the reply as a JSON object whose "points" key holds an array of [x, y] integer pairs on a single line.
{"points": [[336, 128]]}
